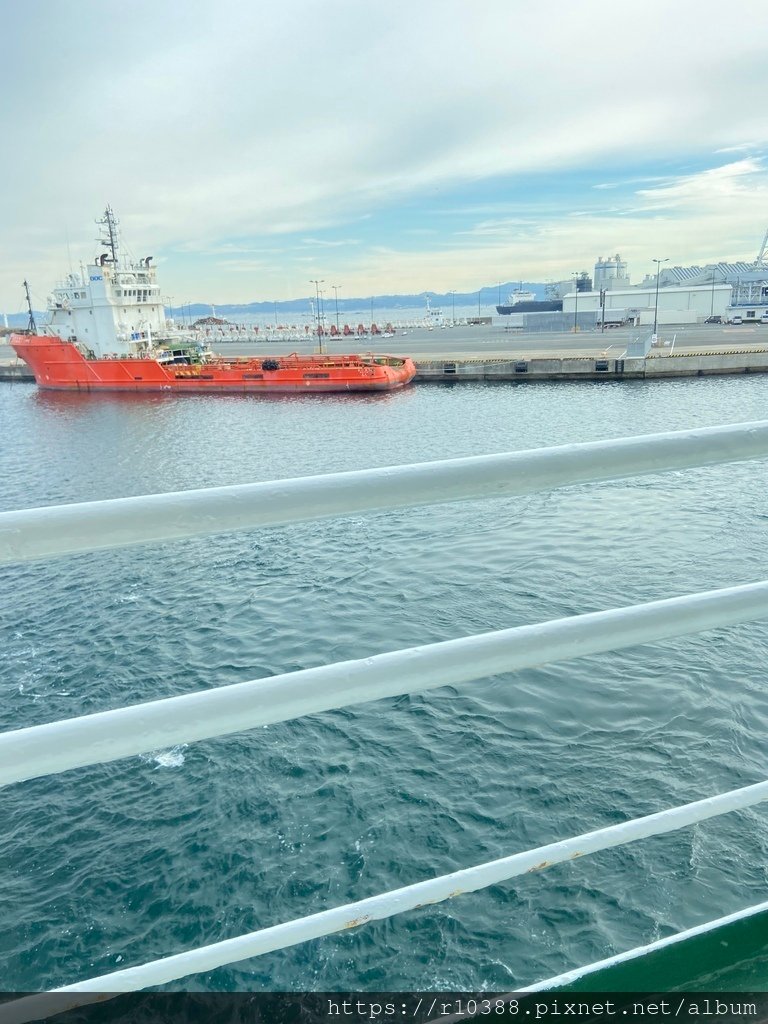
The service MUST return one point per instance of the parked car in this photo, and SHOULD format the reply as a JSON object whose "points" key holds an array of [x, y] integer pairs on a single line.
{"points": [[764, 319], [736, 320], [713, 320]]}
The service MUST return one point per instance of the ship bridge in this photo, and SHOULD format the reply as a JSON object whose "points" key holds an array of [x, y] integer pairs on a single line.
{"points": [[113, 305]]}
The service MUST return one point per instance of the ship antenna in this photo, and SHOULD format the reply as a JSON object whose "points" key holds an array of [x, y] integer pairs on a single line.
{"points": [[31, 326], [109, 221]]}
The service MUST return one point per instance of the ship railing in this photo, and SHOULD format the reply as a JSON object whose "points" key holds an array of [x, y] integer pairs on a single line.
{"points": [[124, 732]]}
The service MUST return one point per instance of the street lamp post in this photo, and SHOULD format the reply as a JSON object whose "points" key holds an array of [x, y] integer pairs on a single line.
{"points": [[453, 307], [712, 303], [275, 301], [336, 295], [656, 306], [576, 301], [317, 284]]}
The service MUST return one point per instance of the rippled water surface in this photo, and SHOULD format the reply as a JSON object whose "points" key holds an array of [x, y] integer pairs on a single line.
{"points": [[111, 866]]}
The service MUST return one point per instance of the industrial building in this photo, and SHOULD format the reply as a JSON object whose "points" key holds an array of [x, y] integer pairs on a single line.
{"points": [[611, 274], [676, 304], [748, 283], [735, 292], [677, 295]]}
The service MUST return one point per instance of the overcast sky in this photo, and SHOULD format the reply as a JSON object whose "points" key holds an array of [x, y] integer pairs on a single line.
{"points": [[382, 145]]}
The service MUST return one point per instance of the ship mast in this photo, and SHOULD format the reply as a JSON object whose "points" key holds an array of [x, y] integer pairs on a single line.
{"points": [[31, 325], [109, 223]]}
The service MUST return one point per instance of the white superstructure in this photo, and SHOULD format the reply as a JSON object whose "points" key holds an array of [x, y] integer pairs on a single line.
{"points": [[113, 305], [433, 317]]}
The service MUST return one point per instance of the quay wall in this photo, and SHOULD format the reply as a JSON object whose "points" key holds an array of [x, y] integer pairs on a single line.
{"points": [[573, 367], [15, 372]]}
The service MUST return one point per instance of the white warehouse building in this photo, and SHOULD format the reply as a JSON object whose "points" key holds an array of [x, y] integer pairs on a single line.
{"points": [[687, 304]]}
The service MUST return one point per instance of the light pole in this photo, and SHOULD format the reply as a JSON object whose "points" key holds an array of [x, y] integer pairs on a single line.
{"points": [[576, 301], [712, 303], [275, 302], [453, 307], [336, 296], [317, 284], [656, 306]]}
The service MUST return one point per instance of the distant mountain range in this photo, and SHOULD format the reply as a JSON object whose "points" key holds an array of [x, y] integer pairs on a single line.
{"points": [[489, 296]]}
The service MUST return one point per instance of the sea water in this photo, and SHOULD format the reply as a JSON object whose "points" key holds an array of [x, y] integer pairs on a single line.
{"points": [[110, 866]]}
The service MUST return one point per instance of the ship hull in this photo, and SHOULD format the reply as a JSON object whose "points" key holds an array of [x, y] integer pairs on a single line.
{"points": [[537, 306], [60, 366]]}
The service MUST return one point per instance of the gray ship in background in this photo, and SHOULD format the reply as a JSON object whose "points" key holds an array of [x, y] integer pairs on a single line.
{"points": [[521, 301]]}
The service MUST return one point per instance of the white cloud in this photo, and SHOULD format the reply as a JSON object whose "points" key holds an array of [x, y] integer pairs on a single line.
{"points": [[327, 243], [742, 147], [228, 124], [702, 217], [713, 186]]}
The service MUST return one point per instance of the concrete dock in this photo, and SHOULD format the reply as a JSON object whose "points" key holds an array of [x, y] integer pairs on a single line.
{"points": [[539, 366], [477, 354]]}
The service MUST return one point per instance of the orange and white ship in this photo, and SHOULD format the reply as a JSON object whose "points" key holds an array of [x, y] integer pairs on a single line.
{"points": [[107, 331]]}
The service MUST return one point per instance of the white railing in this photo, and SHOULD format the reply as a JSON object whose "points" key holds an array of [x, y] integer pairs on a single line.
{"points": [[60, 746], [110, 735], [120, 522]]}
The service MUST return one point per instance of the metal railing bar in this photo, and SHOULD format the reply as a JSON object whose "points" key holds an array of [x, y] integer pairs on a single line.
{"points": [[141, 728], [67, 529], [419, 894]]}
